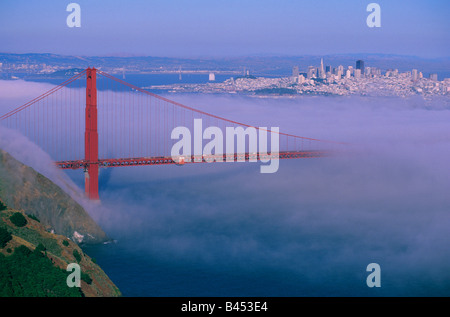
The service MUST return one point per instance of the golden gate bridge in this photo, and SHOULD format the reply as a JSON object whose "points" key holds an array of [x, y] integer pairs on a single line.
{"points": [[89, 122]]}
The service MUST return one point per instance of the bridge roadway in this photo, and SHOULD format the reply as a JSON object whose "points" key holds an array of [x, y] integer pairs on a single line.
{"points": [[181, 160]]}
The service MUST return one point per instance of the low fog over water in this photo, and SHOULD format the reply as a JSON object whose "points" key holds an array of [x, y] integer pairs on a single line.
{"points": [[311, 229]]}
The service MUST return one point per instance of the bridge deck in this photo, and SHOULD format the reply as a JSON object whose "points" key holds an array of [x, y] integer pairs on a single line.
{"points": [[162, 160]]}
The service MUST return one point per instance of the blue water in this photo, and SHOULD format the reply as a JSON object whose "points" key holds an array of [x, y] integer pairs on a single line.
{"points": [[310, 229], [142, 80], [206, 235], [195, 231]]}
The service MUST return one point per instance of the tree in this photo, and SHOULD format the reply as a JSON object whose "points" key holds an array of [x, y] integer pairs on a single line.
{"points": [[18, 219], [85, 277], [77, 255], [5, 237], [34, 218], [31, 274]]}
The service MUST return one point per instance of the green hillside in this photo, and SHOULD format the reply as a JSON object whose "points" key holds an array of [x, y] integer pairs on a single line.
{"points": [[33, 262]]}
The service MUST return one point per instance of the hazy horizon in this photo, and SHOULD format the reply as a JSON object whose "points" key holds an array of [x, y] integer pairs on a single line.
{"points": [[255, 55], [209, 28]]}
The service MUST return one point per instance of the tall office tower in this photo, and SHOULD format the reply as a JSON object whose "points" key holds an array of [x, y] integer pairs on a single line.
{"points": [[434, 77], [360, 65], [311, 72], [321, 73], [295, 71], [357, 73], [327, 69], [414, 74], [212, 77]]}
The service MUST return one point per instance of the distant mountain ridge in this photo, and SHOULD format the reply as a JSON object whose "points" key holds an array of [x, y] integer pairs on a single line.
{"points": [[67, 72], [270, 64]]}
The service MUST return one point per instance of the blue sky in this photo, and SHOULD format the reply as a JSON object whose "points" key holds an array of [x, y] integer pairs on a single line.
{"points": [[220, 28]]}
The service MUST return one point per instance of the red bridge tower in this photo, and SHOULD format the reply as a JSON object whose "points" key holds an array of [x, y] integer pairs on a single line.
{"points": [[91, 136]]}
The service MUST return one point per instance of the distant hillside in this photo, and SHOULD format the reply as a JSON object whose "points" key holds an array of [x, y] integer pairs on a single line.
{"points": [[65, 73], [256, 64], [33, 261], [22, 188]]}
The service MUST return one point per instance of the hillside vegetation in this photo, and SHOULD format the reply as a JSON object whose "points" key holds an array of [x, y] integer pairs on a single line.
{"points": [[33, 262]]}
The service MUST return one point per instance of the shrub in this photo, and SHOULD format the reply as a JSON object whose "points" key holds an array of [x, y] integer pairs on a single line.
{"points": [[34, 218], [5, 237], [85, 277], [77, 255], [65, 243], [40, 248], [2, 206], [18, 219], [22, 250]]}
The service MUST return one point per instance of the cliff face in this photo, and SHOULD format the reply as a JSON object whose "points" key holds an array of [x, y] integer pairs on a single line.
{"points": [[22, 188]]}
